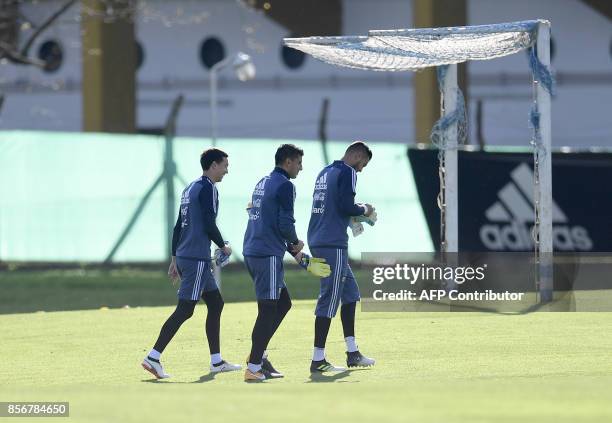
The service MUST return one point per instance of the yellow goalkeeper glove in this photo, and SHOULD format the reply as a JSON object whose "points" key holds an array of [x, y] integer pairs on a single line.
{"points": [[316, 266]]}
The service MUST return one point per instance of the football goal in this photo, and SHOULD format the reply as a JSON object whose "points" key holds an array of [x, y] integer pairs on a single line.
{"points": [[444, 48]]}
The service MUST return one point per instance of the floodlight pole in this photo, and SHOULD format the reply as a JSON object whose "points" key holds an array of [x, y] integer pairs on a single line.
{"points": [[448, 105], [544, 188], [217, 67], [213, 129], [245, 70]]}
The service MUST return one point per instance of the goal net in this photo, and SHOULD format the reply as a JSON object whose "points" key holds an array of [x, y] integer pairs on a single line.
{"points": [[416, 49]]}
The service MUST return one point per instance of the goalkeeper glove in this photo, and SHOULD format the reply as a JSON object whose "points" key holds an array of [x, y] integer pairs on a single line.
{"points": [[370, 220], [316, 266], [356, 227], [221, 259]]}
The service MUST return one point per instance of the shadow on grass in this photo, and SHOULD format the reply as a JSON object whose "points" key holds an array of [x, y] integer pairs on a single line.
{"points": [[314, 378], [152, 381], [206, 378], [328, 378], [203, 379]]}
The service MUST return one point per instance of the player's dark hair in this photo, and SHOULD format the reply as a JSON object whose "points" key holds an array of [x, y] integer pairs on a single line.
{"points": [[359, 147], [211, 155], [287, 151]]}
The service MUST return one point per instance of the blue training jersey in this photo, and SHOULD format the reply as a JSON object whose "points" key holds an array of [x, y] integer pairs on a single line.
{"points": [[271, 223], [333, 204], [199, 204]]}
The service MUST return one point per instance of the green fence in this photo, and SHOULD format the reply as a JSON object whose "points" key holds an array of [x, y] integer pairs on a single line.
{"points": [[68, 196]]}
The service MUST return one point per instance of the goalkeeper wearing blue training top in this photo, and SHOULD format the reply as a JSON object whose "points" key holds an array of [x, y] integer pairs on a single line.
{"points": [[195, 228], [333, 207], [270, 233]]}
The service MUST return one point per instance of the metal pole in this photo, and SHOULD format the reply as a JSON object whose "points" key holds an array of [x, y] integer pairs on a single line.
{"points": [[544, 187], [213, 106], [451, 241], [213, 132], [217, 67], [323, 129], [450, 159], [479, 134]]}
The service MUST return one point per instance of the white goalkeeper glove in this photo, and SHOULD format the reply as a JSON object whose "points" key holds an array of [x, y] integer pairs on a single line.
{"points": [[221, 259], [370, 220], [356, 227], [316, 266]]}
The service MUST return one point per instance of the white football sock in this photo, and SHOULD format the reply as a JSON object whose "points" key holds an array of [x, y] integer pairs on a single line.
{"points": [[254, 367], [351, 346], [318, 354], [154, 354], [215, 358]]}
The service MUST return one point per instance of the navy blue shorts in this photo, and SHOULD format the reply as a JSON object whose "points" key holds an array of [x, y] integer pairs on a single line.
{"points": [[268, 275], [339, 286], [196, 277]]}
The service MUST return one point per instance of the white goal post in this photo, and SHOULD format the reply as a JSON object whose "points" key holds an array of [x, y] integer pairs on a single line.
{"points": [[415, 49]]}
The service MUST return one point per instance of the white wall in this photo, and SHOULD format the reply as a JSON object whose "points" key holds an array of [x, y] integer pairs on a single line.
{"points": [[582, 39], [368, 105]]}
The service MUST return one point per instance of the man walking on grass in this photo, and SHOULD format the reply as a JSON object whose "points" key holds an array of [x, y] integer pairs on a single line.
{"points": [[270, 233], [332, 209], [191, 263]]}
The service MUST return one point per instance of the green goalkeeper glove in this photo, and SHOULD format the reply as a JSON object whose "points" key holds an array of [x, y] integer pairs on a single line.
{"points": [[316, 266]]}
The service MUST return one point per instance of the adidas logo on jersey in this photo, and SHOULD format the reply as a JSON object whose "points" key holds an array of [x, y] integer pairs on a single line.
{"points": [[260, 187], [512, 219], [185, 197], [184, 211], [321, 182]]}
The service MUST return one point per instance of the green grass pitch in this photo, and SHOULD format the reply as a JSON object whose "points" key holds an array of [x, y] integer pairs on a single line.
{"points": [[431, 367]]}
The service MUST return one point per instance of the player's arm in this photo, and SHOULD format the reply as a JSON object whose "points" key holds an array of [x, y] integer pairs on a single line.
{"points": [[316, 266], [176, 234], [286, 221], [347, 182], [207, 205]]}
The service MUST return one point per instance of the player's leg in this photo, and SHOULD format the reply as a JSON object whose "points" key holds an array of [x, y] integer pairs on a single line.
{"points": [[327, 305], [214, 303], [183, 311], [267, 275], [283, 305], [350, 296], [262, 331], [282, 308], [188, 271]]}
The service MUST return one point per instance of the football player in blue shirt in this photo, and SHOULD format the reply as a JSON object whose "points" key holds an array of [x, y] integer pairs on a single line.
{"points": [[332, 208], [191, 262], [270, 233]]}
